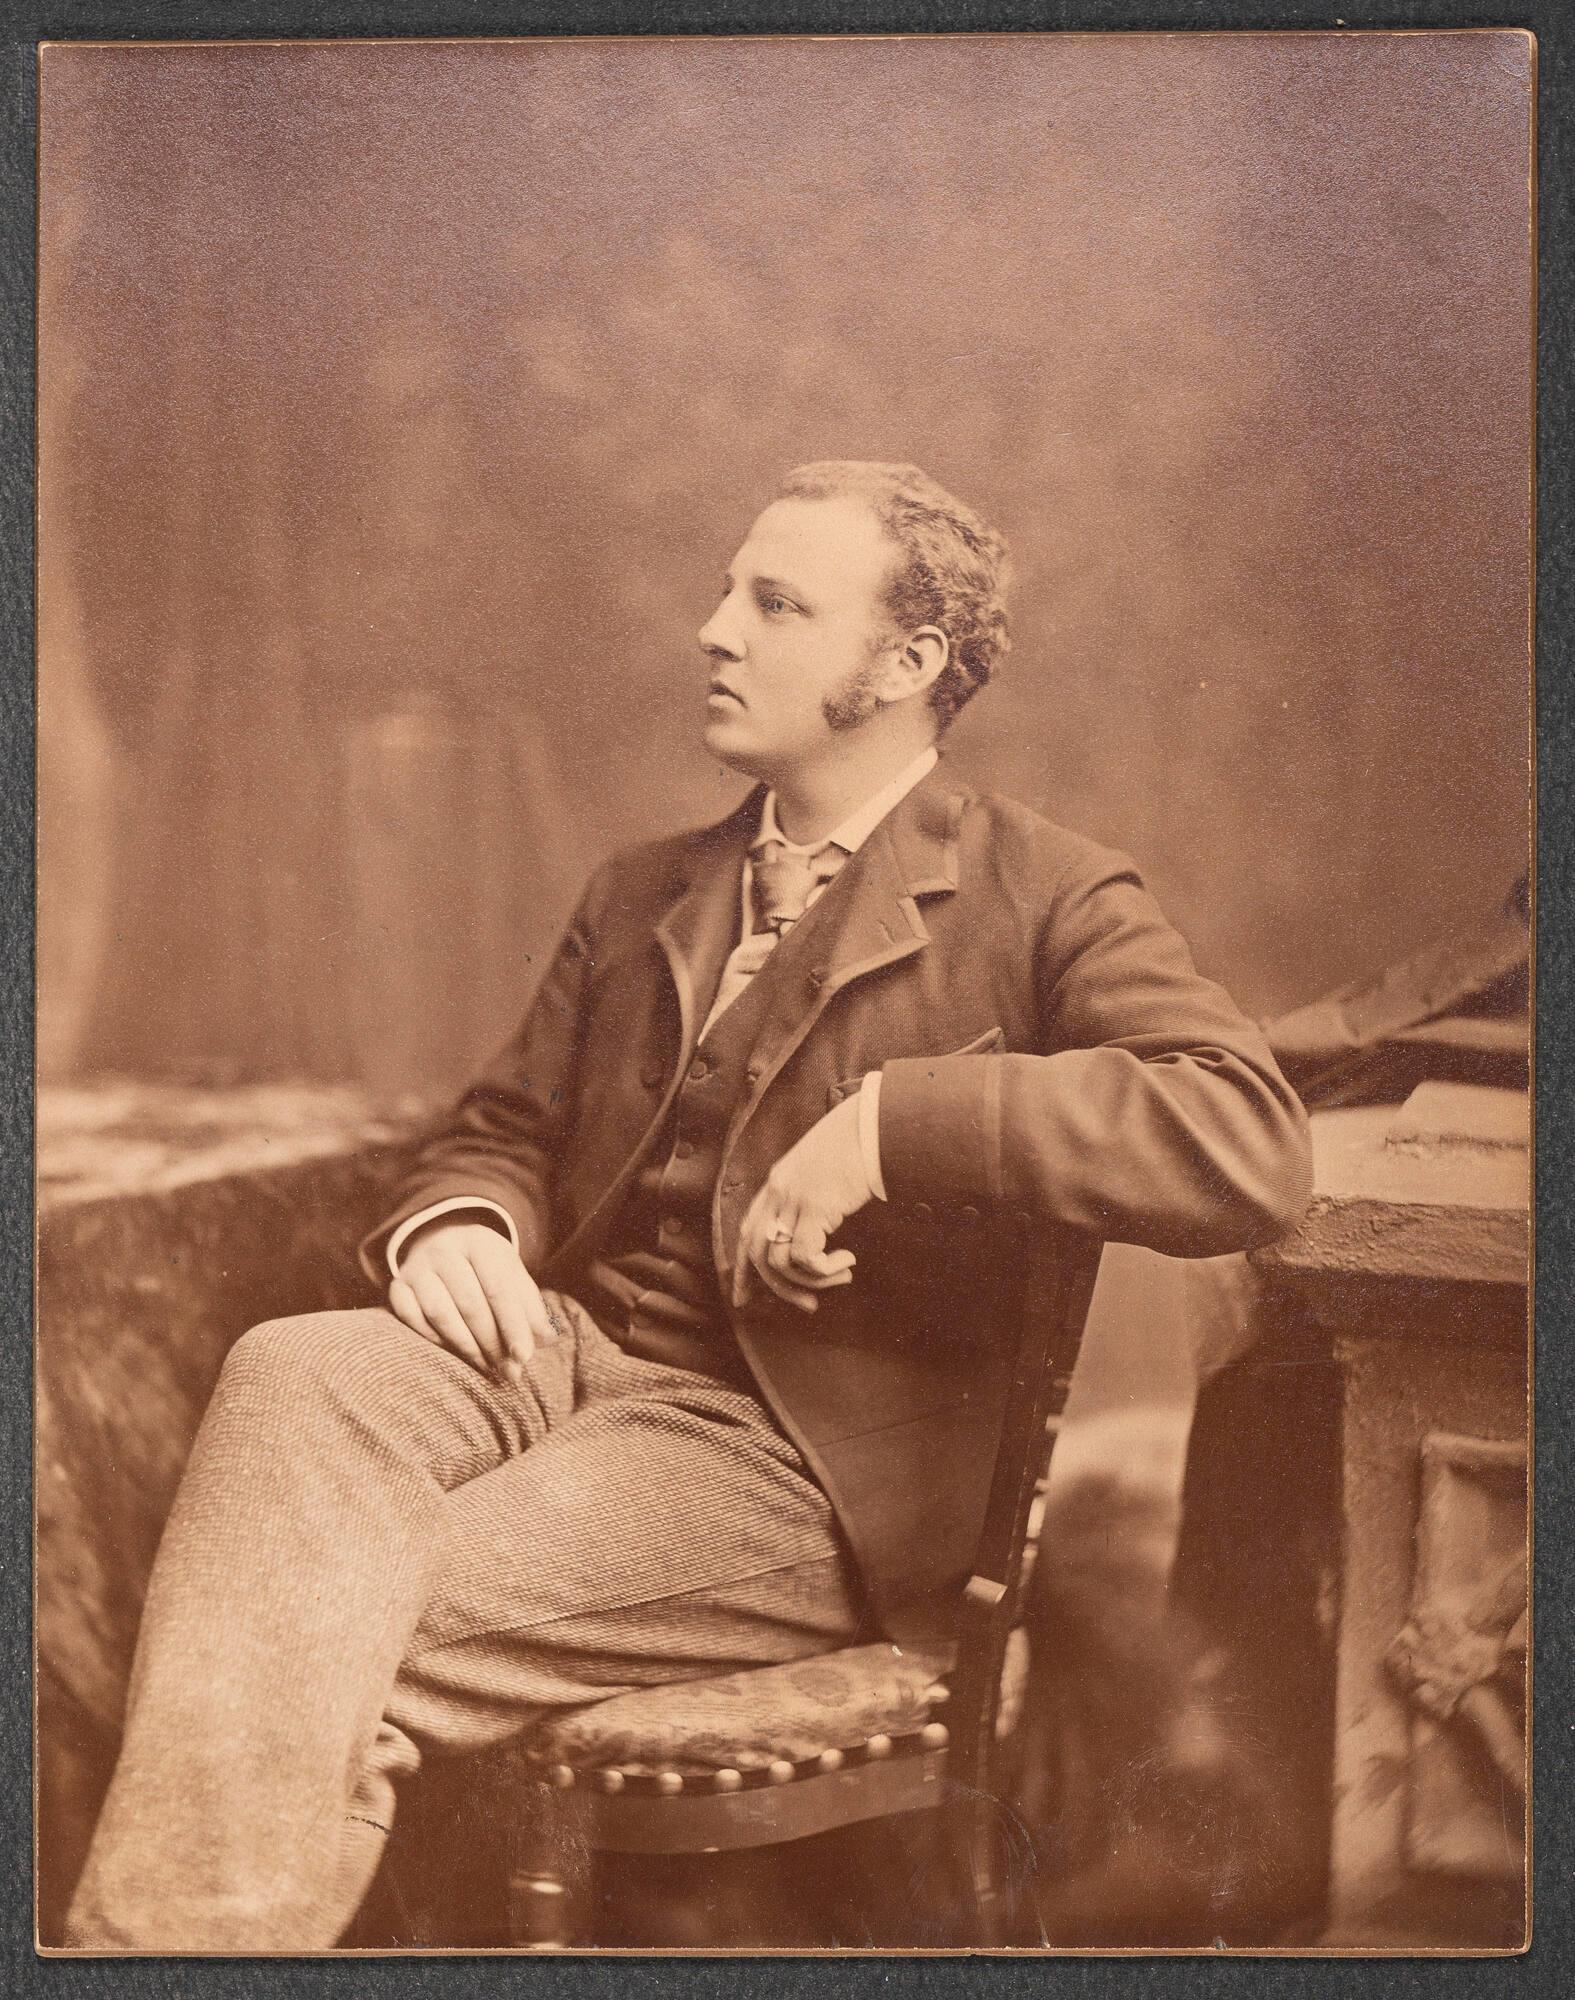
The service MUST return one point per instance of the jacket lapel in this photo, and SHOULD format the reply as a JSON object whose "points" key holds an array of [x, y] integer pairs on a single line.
{"points": [[697, 932], [701, 927], [868, 919]]}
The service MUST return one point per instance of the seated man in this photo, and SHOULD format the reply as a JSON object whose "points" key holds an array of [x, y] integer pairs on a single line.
{"points": [[688, 1362]]}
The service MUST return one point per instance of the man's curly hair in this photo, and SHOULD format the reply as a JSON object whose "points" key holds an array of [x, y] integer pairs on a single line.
{"points": [[954, 569]]}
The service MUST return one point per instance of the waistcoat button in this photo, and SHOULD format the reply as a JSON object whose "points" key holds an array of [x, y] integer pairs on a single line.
{"points": [[683, 1150], [653, 1077], [673, 1225], [699, 1070]]}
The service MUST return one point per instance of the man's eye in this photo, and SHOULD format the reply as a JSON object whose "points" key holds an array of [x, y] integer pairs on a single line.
{"points": [[776, 604]]}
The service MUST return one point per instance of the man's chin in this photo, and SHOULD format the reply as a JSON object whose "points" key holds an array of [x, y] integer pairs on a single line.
{"points": [[724, 739]]}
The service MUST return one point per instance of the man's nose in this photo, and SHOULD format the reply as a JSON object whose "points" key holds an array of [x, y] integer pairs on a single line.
{"points": [[719, 635]]}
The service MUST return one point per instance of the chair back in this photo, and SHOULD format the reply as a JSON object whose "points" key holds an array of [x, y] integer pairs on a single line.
{"points": [[1058, 1285]]}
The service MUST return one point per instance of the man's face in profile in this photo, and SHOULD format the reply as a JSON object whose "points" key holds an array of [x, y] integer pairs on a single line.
{"points": [[798, 634]]}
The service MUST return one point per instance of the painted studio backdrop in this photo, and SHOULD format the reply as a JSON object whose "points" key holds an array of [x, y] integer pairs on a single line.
{"points": [[401, 406]]}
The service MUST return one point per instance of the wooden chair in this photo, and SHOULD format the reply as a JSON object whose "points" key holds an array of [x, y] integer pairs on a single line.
{"points": [[782, 1753]]}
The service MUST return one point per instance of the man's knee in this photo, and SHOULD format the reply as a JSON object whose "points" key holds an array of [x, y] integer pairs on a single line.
{"points": [[310, 1352]]}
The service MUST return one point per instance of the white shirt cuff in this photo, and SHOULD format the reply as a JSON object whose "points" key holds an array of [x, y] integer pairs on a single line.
{"points": [[869, 1133], [454, 1205]]}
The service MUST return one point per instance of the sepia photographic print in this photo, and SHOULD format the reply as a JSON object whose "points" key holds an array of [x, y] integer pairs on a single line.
{"points": [[783, 1006]]}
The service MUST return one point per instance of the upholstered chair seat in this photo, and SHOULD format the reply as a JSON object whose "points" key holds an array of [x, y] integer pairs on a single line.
{"points": [[762, 1725]]}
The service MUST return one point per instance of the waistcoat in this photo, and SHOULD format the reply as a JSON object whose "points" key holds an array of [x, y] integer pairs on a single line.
{"points": [[654, 1288]]}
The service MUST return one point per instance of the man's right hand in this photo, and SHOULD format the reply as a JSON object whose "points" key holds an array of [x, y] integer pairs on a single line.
{"points": [[462, 1286]]}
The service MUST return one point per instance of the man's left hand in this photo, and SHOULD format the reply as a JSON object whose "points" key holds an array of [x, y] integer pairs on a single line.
{"points": [[808, 1195]]}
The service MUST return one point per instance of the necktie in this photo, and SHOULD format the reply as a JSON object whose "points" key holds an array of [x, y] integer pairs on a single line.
{"points": [[783, 882]]}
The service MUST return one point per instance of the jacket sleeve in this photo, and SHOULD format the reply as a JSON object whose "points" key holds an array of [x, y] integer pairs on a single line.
{"points": [[501, 1139], [1152, 1111]]}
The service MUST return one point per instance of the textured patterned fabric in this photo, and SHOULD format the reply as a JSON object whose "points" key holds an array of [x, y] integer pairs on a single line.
{"points": [[744, 1721], [377, 1553]]}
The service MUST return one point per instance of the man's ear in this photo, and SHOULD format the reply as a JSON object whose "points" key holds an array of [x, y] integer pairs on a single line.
{"points": [[913, 665]]}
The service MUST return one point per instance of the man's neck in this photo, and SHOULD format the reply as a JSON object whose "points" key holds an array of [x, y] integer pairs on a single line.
{"points": [[813, 802]]}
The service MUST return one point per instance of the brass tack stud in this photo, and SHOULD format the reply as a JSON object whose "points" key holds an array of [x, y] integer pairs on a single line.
{"points": [[610, 1780], [780, 1771], [829, 1760], [728, 1781], [669, 1783], [935, 1736], [878, 1746], [563, 1777]]}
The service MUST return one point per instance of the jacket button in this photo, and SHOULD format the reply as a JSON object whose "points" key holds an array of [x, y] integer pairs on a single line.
{"points": [[673, 1226], [923, 1211], [970, 1213], [699, 1070], [683, 1149]]}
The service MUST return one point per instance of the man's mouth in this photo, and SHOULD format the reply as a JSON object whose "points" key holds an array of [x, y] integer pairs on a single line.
{"points": [[722, 690]]}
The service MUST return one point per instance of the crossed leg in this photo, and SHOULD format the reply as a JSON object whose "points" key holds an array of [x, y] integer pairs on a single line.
{"points": [[378, 1553]]}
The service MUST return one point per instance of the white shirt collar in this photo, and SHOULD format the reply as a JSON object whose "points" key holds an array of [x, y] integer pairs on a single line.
{"points": [[859, 824]]}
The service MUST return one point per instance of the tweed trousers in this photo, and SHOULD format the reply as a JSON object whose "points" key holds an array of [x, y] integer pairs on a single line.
{"points": [[379, 1553]]}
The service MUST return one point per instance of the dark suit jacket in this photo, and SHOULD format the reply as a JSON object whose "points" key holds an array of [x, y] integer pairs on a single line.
{"points": [[1048, 1051]]}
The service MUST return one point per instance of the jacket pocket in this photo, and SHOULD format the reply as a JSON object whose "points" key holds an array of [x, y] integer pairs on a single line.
{"points": [[982, 1045]]}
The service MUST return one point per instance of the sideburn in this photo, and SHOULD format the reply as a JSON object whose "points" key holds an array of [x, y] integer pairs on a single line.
{"points": [[855, 701]]}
